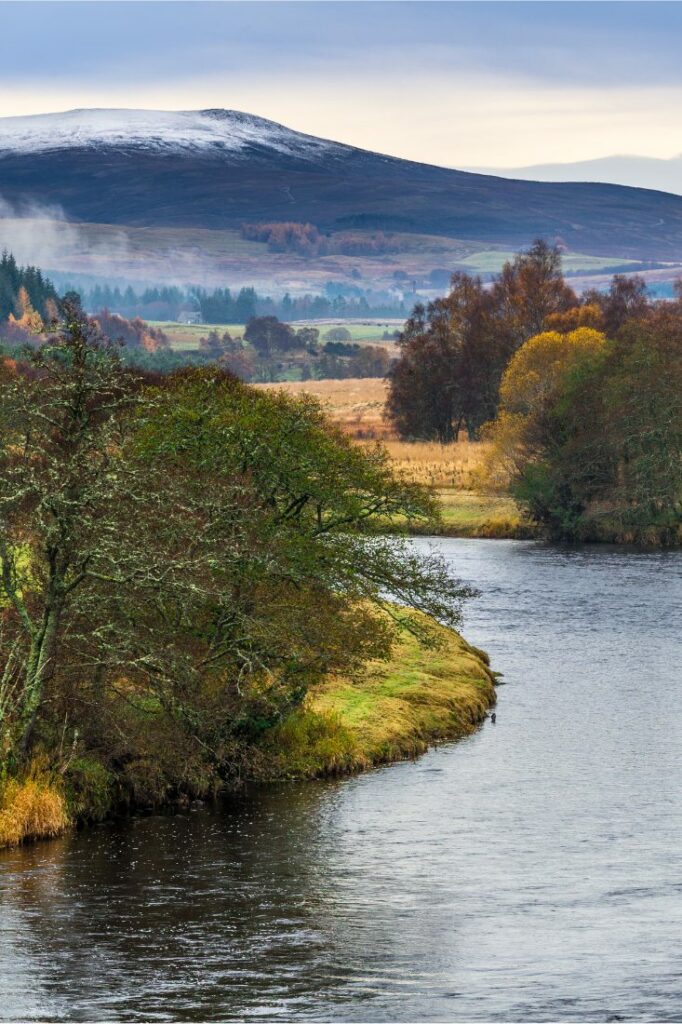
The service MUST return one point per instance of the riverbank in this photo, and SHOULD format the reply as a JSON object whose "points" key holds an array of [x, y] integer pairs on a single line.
{"points": [[392, 710], [395, 710], [470, 513]]}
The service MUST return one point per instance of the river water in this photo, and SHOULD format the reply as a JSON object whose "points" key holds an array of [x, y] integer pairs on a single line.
{"points": [[531, 872]]}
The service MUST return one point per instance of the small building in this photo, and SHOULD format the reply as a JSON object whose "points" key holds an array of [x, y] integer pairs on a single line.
{"points": [[190, 313]]}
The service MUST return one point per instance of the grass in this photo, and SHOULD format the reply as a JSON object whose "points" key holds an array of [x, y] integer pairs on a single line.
{"points": [[370, 332], [455, 471], [474, 514], [356, 404], [393, 710], [185, 337], [32, 808], [491, 261], [437, 465]]}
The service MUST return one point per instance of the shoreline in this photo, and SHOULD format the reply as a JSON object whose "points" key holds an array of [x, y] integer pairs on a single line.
{"points": [[392, 711], [479, 515], [397, 710]]}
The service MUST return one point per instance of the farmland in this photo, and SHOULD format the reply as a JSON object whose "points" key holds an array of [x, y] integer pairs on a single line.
{"points": [[455, 472], [185, 337]]}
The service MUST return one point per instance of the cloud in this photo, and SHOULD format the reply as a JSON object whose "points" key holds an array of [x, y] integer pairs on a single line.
{"points": [[448, 83], [43, 236]]}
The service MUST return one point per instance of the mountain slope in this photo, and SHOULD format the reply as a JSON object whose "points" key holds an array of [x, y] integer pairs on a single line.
{"points": [[635, 171], [219, 168]]}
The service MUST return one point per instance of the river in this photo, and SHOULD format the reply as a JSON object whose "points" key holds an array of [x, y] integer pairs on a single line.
{"points": [[528, 873]]}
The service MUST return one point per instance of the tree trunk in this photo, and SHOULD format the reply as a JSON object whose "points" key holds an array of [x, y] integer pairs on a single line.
{"points": [[39, 670]]}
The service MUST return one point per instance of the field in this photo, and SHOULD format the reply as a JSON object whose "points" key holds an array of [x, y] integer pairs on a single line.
{"points": [[357, 405], [185, 337], [455, 471], [491, 261]]}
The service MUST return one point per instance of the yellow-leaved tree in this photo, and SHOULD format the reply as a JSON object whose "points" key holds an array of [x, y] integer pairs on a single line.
{"points": [[528, 387], [29, 320]]}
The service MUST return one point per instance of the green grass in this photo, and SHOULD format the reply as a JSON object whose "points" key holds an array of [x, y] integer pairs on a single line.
{"points": [[185, 337], [471, 514], [370, 333], [391, 710]]}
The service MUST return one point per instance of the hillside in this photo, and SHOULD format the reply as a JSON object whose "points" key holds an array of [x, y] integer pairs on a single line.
{"points": [[663, 174], [217, 169]]}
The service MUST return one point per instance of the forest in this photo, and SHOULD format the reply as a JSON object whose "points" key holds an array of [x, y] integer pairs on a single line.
{"points": [[341, 300]]}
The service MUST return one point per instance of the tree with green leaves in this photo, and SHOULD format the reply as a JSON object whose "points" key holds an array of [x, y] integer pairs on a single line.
{"points": [[183, 558]]}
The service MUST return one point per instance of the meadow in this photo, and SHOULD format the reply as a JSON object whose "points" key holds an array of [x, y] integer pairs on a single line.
{"points": [[455, 471], [185, 337]]}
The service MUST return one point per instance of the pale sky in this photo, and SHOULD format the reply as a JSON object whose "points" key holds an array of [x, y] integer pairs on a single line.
{"points": [[457, 84]]}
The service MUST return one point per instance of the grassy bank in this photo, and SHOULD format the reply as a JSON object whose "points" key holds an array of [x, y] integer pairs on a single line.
{"points": [[394, 710], [391, 711], [489, 516], [32, 808]]}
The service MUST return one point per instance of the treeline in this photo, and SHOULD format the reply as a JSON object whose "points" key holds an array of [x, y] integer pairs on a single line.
{"points": [[308, 241], [454, 351], [581, 397], [588, 436], [135, 333], [181, 559], [38, 291], [270, 350], [223, 306]]}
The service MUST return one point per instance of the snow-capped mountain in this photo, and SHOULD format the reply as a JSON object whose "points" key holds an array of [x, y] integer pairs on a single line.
{"points": [[222, 168], [169, 132]]}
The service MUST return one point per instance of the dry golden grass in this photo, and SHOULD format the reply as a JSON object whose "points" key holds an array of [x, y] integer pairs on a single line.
{"points": [[458, 472], [356, 404], [438, 465], [32, 809]]}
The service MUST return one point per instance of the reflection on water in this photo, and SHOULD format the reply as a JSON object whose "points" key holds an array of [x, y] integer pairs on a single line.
{"points": [[530, 872]]}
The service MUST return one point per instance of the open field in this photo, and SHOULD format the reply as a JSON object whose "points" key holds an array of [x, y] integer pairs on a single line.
{"points": [[361, 331], [491, 261], [185, 337], [455, 471], [356, 404]]}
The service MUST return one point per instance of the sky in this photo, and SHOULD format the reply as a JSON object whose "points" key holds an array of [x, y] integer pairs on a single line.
{"points": [[457, 84]]}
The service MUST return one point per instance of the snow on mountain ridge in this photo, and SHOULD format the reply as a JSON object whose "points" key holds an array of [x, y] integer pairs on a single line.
{"points": [[186, 131]]}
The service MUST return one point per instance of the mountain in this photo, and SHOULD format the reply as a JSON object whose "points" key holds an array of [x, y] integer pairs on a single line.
{"points": [[220, 168], [635, 171]]}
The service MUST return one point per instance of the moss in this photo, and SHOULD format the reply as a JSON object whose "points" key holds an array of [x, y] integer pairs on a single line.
{"points": [[392, 710]]}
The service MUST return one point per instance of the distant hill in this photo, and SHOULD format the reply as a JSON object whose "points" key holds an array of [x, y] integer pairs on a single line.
{"points": [[220, 168], [634, 171]]}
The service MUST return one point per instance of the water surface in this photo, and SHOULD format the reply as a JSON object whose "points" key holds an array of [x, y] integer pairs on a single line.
{"points": [[531, 872]]}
